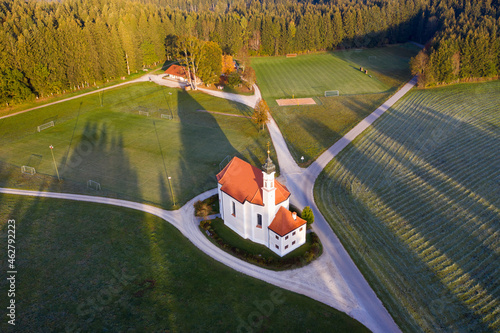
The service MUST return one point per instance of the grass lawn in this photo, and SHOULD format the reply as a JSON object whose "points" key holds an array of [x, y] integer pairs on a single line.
{"points": [[129, 154], [310, 130], [98, 268], [416, 202], [45, 100], [310, 75]]}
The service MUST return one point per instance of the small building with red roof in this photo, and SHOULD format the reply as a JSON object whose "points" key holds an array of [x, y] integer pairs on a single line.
{"points": [[255, 205], [177, 72]]}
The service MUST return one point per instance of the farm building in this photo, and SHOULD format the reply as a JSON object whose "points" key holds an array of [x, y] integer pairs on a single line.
{"points": [[255, 206], [177, 72]]}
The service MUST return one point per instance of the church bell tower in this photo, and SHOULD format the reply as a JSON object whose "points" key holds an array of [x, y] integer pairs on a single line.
{"points": [[268, 188]]}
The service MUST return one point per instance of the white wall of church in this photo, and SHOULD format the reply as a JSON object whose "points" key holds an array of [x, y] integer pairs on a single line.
{"points": [[298, 236], [243, 220], [233, 219], [275, 242], [289, 242]]}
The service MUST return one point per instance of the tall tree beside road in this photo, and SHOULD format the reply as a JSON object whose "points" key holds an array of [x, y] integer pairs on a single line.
{"points": [[261, 113]]}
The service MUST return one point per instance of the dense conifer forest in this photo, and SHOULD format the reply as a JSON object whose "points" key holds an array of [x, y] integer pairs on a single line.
{"points": [[49, 47]]}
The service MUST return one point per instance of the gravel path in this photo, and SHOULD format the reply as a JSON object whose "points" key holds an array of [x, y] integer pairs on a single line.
{"points": [[332, 279], [251, 101], [158, 79], [368, 308]]}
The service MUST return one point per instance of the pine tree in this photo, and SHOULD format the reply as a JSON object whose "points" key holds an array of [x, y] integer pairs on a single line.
{"points": [[307, 214]]}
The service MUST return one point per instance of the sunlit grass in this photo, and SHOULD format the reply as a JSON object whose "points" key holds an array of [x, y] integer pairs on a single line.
{"points": [[129, 154], [310, 130]]}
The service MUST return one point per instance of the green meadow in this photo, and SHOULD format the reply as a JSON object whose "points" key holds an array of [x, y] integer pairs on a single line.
{"points": [[85, 267], [311, 75], [310, 129], [127, 147], [415, 201]]}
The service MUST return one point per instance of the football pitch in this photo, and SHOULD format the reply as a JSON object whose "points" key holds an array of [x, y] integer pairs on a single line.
{"points": [[312, 74], [416, 202], [127, 147]]}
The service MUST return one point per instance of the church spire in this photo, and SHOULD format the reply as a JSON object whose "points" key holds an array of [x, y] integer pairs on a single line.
{"points": [[269, 166]]}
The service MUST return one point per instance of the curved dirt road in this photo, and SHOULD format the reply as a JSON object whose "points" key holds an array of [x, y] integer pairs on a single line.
{"points": [[333, 279]]}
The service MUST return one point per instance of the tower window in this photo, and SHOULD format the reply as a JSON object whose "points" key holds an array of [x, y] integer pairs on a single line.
{"points": [[233, 211], [259, 221]]}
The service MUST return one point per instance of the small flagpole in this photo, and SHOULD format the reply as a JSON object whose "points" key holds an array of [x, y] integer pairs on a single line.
{"points": [[54, 159]]}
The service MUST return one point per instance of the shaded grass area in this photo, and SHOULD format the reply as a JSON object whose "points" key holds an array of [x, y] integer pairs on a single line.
{"points": [[98, 268], [130, 154], [312, 74], [415, 200], [310, 130], [258, 254]]}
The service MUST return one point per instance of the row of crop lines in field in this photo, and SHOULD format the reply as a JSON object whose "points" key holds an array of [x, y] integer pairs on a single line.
{"points": [[416, 202]]}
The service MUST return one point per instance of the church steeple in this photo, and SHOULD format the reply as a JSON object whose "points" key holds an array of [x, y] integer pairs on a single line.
{"points": [[269, 166], [268, 172]]}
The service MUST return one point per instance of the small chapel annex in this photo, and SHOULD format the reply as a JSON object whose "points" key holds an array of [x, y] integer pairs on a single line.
{"points": [[255, 206]]}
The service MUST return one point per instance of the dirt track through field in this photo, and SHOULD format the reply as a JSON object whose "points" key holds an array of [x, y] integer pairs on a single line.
{"points": [[296, 101]]}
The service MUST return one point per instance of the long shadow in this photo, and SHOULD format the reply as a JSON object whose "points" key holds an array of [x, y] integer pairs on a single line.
{"points": [[317, 129], [203, 146], [72, 137], [429, 228], [435, 145], [77, 262], [99, 155]]}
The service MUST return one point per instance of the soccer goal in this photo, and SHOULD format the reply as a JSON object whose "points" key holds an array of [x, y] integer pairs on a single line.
{"points": [[144, 113], [94, 185], [28, 170], [331, 93], [45, 126], [372, 58], [166, 116]]}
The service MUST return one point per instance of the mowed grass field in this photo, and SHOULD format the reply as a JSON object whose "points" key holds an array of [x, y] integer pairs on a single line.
{"points": [[85, 267], [129, 154], [310, 130], [416, 202], [311, 74]]}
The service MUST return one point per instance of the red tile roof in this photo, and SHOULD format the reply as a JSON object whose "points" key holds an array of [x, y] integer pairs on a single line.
{"points": [[177, 71], [244, 182], [284, 223]]}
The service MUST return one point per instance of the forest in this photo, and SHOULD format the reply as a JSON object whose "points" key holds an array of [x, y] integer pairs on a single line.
{"points": [[50, 47]]}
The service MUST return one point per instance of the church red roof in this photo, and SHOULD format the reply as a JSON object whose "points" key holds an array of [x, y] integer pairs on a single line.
{"points": [[284, 223], [244, 182]]}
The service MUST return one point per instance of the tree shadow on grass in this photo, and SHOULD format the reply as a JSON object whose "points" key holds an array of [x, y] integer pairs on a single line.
{"points": [[399, 194], [77, 262], [203, 146]]}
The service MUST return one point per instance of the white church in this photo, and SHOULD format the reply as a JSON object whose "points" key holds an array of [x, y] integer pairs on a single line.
{"points": [[255, 206]]}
